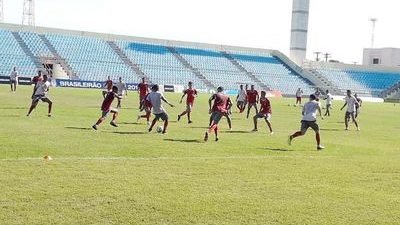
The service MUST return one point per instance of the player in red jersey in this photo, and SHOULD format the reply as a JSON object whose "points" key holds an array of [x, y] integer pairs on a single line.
{"points": [[145, 106], [108, 85], [217, 111], [191, 95], [35, 80], [106, 108], [252, 99], [143, 90], [265, 112]]}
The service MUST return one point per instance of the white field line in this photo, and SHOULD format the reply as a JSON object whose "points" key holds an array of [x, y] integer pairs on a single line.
{"points": [[152, 159]]}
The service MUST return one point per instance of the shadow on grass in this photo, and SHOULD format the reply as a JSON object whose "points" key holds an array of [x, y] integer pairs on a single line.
{"points": [[13, 108], [10, 116], [79, 128], [237, 132], [184, 140], [129, 132], [199, 127], [331, 129], [277, 149], [130, 123]]}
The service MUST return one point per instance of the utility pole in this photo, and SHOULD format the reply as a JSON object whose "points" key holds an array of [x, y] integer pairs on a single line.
{"points": [[28, 16], [373, 23], [317, 56], [326, 56]]}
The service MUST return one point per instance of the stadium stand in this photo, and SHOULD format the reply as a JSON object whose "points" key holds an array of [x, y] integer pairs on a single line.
{"points": [[11, 54], [367, 81]]}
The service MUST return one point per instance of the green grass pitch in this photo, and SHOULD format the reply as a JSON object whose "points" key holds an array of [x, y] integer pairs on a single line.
{"points": [[127, 176]]}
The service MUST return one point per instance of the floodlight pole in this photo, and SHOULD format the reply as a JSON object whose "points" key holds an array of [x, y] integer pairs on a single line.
{"points": [[317, 56], [28, 16], [326, 56], [373, 23]]}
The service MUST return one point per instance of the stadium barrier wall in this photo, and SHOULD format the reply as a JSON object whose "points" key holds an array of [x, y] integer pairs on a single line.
{"points": [[21, 80], [89, 84]]}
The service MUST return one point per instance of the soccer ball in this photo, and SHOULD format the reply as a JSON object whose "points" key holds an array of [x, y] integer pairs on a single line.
{"points": [[160, 129]]}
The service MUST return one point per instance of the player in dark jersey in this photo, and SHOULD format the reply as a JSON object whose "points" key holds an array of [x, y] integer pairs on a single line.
{"points": [[106, 108], [191, 95], [145, 106], [252, 99], [265, 112], [217, 110], [143, 90], [108, 85]]}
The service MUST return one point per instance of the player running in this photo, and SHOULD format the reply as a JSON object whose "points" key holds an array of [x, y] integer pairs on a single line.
{"points": [[35, 81], [299, 94], [159, 112], [41, 90], [191, 95], [220, 107], [241, 99], [145, 106], [252, 98], [106, 108], [143, 90], [108, 85], [351, 103], [265, 112], [358, 105], [122, 91], [14, 79], [328, 98], [309, 119]]}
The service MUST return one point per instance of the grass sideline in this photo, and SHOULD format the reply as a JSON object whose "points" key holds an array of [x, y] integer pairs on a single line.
{"points": [[126, 176]]}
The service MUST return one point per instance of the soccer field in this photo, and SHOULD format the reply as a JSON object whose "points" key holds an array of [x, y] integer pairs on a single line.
{"points": [[125, 175]]}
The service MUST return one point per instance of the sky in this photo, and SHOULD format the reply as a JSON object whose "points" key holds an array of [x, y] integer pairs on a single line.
{"points": [[339, 27]]}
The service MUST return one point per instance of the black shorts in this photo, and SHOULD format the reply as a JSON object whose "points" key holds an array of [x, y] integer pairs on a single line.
{"points": [[163, 116], [40, 97], [307, 124], [217, 116], [349, 115]]}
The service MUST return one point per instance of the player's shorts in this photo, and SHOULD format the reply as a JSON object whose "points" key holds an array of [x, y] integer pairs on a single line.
{"points": [[266, 116], [349, 115], [105, 113], [141, 98], [217, 116], [189, 106], [40, 97], [252, 105], [298, 99], [307, 124], [241, 102], [328, 106], [13, 81], [163, 116]]}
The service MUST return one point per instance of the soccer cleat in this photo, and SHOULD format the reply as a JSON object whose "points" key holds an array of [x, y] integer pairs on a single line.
{"points": [[320, 147], [189, 122], [179, 118], [254, 130], [112, 123], [94, 127], [290, 139], [49, 115], [206, 136], [216, 139], [271, 132], [358, 129]]}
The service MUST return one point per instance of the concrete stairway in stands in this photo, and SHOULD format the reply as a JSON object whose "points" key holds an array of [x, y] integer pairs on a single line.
{"points": [[245, 71], [58, 59], [27, 51], [134, 66], [194, 70]]}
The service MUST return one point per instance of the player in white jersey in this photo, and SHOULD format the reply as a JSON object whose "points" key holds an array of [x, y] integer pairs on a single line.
{"points": [[351, 103], [159, 112], [309, 119], [328, 98], [241, 99], [14, 79], [299, 94], [122, 91], [41, 91]]}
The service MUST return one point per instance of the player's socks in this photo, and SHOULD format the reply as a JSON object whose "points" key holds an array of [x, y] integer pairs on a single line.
{"points": [[290, 139], [179, 118], [206, 136], [94, 127]]}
